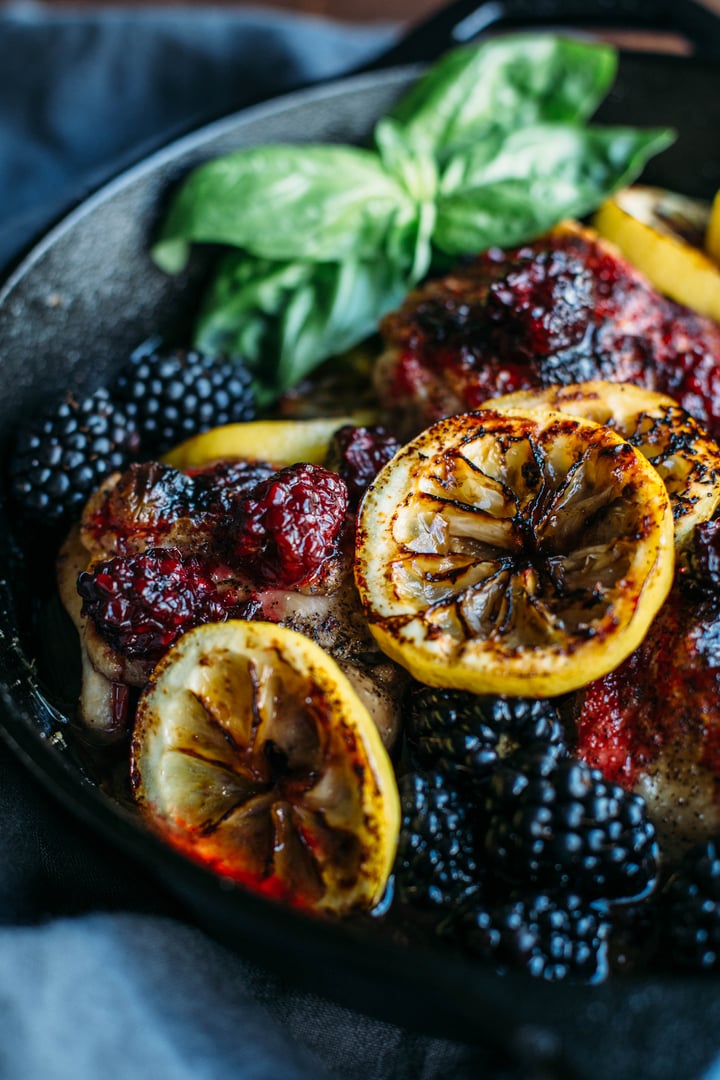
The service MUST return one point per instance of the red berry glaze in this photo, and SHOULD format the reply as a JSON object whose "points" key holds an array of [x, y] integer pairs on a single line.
{"points": [[662, 701]]}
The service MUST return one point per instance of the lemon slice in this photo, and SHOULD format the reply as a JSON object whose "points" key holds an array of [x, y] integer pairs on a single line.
{"points": [[519, 553], [281, 442], [252, 754], [663, 235], [712, 238], [684, 455]]}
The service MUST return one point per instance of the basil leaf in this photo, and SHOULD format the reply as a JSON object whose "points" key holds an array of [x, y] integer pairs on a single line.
{"points": [[520, 184], [241, 304], [286, 319], [339, 307], [284, 202], [508, 83], [411, 166]]}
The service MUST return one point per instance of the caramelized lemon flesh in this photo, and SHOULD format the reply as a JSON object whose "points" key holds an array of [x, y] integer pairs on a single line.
{"points": [[675, 444], [518, 552], [252, 754]]}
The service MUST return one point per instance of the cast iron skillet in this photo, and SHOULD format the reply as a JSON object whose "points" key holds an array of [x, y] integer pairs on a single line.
{"points": [[70, 313]]}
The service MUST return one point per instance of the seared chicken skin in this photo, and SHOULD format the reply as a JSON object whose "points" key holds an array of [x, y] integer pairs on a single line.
{"points": [[155, 554], [563, 309]]}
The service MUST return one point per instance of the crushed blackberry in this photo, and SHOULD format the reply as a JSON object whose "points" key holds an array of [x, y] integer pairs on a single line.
{"points": [[290, 524], [141, 604], [553, 820], [176, 394], [691, 910], [549, 936], [464, 735], [61, 456], [358, 454], [435, 865]]}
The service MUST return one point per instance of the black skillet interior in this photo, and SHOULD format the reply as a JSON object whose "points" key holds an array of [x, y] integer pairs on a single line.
{"points": [[70, 313]]}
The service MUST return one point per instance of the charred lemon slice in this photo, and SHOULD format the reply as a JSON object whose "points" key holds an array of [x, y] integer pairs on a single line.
{"points": [[253, 755], [684, 455], [282, 442], [664, 236], [517, 553]]}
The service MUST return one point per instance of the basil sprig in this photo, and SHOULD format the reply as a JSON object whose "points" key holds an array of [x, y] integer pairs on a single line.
{"points": [[490, 147]]}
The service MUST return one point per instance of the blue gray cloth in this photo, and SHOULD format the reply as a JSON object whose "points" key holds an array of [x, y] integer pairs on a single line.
{"points": [[84, 93]]}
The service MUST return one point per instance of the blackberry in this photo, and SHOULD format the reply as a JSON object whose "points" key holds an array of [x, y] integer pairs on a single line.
{"points": [[691, 910], [290, 524], [435, 865], [464, 735], [141, 604], [179, 393], [550, 936], [552, 820], [358, 454], [62, 456]]}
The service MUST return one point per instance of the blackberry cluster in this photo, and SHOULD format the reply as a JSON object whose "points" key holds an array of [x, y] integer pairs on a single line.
{"points": [[553, 820], [691, 910], [551, 937], [435, 865], [521, 848], [62, 455], [158, 400], [176, 394], [464, 735]]}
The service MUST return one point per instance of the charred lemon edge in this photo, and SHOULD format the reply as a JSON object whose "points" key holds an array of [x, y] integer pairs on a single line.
{"points": [[520, 672], [624, 401], [376, 777]]}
